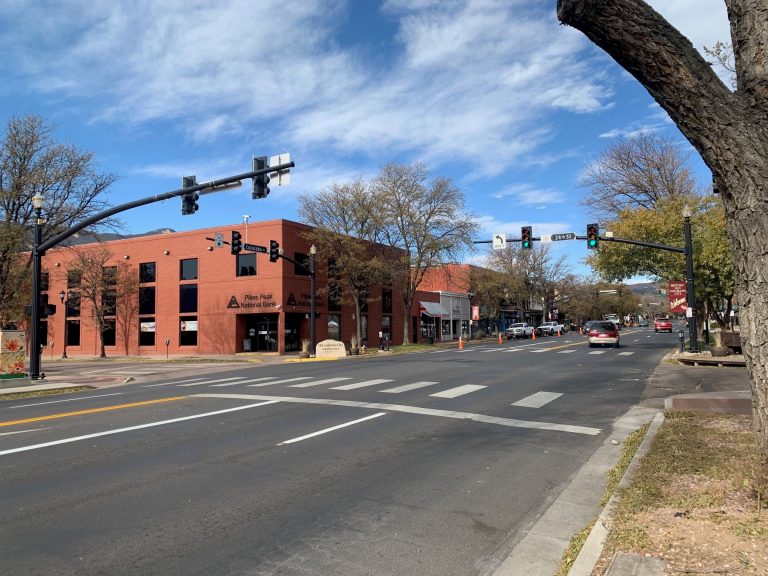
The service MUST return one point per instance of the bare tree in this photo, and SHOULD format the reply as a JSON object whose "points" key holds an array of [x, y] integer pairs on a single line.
{"points": [[98, 285], [126, 303], [346, 221], [636, 173], [727, 128], [31, 163], [426, 220]]}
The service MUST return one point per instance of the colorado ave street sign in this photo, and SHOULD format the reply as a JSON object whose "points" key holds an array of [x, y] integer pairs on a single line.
{"points": [[255, 248]]}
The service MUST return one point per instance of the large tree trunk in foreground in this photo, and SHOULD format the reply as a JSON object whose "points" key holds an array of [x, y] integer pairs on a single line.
{"points": [[730, 131]]}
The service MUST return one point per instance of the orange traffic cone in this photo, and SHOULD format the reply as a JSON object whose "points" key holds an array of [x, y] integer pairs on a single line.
{"points": [[461, 343], [558, 332], [533, 334], [499, 337]]}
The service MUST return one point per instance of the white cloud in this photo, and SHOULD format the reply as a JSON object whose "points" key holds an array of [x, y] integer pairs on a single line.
{"points": [[529, 195]]}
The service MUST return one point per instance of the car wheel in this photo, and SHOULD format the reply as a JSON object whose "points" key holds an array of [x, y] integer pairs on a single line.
{"points": [[591, 345], [655, 330], [617, 345]]}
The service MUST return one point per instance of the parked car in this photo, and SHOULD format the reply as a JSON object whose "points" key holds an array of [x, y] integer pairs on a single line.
{"points": [[550, 328], [519, 330], [662, 325], [587, 325], [604, 333]]}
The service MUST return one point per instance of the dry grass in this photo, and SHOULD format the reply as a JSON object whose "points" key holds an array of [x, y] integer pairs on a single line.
{"points": [[694, 500]]}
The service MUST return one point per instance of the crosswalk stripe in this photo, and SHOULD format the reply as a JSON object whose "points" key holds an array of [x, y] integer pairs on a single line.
{"points": [[494, 350], [172, 383], [407, 387], [212, 381], [245, 382], [597, 352], [363, 384], [625, 353], [458, 391], [566, 351], [541, 350], [317, 382], [537, 400], [513, 350], [284, 380]]}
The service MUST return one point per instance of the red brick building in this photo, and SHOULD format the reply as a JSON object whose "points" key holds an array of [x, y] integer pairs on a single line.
{"points": [[200, 299]]}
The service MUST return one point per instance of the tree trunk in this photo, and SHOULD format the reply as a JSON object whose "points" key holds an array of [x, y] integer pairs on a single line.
{"points": [[727, 128]]}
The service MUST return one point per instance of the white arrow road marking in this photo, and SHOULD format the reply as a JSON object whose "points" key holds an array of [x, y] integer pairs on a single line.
{"points": [[415, 410], [537, 400], [331, 429]]}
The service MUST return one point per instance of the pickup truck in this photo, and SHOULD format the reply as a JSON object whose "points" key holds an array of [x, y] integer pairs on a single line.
{"points": [[519, 330], [550, 328]]}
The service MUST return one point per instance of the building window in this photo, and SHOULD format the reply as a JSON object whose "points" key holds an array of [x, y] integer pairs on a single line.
{"points": [[246, 265], [44, 279], [386, 300], [74, 278], [188, 298], [73, 332], [73, 305], [147, 331], [147, 272], [386, 327], [188, 331], [188, 269], [146, 300], [302, 259], [109, 332], [334, 326], [109, 274], [109, 302]]}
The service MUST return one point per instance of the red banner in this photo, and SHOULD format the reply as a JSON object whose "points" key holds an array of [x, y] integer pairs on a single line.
{"points": [[678, 296]]}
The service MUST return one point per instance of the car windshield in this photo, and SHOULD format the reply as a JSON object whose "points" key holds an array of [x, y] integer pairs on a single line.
{"points": [[516, 325], [603, 326]]}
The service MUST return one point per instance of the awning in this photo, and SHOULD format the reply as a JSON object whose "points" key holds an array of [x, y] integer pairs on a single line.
{"points": [[432, 309]]}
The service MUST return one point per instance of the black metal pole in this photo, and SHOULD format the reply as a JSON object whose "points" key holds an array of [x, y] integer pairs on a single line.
{"points": [[691, 295], [312, 305], [64, 302], [34, 336]]}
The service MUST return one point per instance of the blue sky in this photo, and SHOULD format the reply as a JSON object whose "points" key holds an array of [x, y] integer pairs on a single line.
{"points": [[493, 94]]}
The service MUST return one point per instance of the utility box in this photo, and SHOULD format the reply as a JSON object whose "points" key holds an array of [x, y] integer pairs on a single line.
{"points": [[12, 353]]}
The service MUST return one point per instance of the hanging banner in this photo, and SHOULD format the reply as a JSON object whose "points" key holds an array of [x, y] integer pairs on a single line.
{"points": [[475, 313], [678, 296]]}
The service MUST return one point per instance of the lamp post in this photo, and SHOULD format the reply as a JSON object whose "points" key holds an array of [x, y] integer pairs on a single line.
{"points": [[245, 221], [313, 300], [34, 338], [65, 297], [691, 295]]}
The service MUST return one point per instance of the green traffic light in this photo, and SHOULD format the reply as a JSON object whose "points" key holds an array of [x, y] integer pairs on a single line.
{"points": [[526, 244], [593, 242]]}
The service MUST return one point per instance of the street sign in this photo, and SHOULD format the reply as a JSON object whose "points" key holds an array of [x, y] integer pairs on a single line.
{"points": [[564, 236], [218, 239], [283, 176], [255, 248], [499, 241]]}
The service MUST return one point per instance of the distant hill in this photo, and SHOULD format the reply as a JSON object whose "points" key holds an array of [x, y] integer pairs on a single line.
{"points": [[644, 288]]}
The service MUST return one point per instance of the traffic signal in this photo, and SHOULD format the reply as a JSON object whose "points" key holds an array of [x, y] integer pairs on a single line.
{"points": [[189, 201], [236, 245], [526, 237], [274, 250], [260, 188], [593, 236]]}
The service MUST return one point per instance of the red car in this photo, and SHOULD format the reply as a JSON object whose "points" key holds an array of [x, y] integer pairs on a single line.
{"points": [[604, 333], [662, 325]]}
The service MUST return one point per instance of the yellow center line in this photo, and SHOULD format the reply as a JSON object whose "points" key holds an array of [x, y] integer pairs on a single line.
{"points": [[91, 411], [583, 342]]}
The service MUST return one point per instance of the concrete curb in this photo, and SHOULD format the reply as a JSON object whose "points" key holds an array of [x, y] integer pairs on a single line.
{"points": [[593, 547]]}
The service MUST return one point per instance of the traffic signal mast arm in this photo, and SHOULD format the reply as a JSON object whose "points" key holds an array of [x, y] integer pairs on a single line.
{"points": [[638, 243], [204, 188]]}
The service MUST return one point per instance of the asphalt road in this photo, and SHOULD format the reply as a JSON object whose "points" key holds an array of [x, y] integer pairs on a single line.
{"points": [[430, 463]]}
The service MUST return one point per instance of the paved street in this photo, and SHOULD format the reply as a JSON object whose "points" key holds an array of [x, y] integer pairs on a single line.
{"points": [[428, 463]]}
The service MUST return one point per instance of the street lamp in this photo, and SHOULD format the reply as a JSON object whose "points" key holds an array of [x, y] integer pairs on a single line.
{"points": [[313, 302], [65, 297], [34, 338], [245, 221], [691, 295]]}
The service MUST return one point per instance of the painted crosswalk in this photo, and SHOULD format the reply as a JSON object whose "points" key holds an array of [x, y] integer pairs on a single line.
{"points": [[458, 391], [363, 384]]}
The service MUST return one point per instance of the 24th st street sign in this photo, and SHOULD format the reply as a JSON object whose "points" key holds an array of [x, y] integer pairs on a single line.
{"points": [[556, 237]]}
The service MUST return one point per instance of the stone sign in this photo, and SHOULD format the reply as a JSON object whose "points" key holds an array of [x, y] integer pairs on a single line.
{"points": [[330, 349]]}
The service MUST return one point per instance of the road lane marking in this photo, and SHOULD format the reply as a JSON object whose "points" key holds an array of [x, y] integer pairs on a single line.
{"points": [[22, 431], [283, 381], [408, 387], [363, 384], [172, 383], [513, 350], [331, 429], [510, 422], [243, 382], [204, 382], [319, 382], [458, 391], [541, 350], [625, 353], [566, 351], [537, 400], [66, 400], [131, 428], [597, 352], [89, 411], [494, 350]]}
